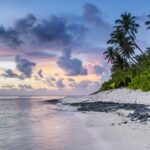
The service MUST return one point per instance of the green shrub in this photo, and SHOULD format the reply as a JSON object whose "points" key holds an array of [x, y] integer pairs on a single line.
{"points": [[137, 76], [118, 79], [107, 85], [141, 81]]}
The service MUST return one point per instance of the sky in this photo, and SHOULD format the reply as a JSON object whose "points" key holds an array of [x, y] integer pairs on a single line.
{"points": [[55, 47]]}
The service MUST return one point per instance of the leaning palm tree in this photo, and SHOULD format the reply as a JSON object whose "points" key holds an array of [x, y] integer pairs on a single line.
{"points": [[128, 24]]}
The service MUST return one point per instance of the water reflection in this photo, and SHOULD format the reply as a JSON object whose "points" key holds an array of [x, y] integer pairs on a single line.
{"points": [[29, 124]]}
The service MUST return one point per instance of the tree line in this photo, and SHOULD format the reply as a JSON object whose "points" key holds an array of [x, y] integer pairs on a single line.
{"points": [[127, 68]]}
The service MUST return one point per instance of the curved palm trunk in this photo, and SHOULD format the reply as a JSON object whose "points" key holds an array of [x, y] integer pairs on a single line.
{"points": [[137, 46], [133, 60]]}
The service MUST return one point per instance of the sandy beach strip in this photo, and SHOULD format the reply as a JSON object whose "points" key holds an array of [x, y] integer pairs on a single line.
{"points": [[110, 133], [113, 129], [122, 95]]}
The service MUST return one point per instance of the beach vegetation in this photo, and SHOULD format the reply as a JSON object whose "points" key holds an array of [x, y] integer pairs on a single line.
{"points": [[130, 64]]}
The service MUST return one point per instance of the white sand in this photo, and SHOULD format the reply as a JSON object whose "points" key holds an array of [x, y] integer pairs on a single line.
{"points": [[118, 95], [107, 129], [130, 136]]}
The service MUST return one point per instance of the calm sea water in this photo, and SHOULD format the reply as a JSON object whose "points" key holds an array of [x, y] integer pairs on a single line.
{"points": [[32, 124]]}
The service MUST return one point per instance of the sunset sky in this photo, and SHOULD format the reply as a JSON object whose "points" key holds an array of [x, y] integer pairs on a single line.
{"points": [[55, 47]]}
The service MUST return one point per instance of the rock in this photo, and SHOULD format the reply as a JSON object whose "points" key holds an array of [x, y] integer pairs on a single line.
{"points": [[140, 113]]}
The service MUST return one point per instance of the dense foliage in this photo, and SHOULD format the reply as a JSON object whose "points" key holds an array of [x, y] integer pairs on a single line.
{"points": [[141, 81], [128, 69]]}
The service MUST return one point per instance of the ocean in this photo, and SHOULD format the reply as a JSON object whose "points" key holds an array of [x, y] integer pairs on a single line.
{"points": [[30, 123]]}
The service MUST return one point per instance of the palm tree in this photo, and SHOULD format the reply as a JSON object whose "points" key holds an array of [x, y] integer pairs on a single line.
{"points": [[128, 24], [110, 54], [125, 44], [117, 37], [119, 63]]}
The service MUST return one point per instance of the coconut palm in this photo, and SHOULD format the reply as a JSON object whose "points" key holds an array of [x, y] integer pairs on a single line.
{"points": [[124, 43], [128, 24], [116, 37], [119, 63], [110, 54]]}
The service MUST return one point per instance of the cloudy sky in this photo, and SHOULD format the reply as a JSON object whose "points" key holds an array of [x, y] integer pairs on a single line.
{"points": [[55, 47]]}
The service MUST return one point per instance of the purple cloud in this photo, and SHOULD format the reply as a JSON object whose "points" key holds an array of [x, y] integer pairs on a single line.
{"points": [[60, 84], [40, 54], [72, 66], [24, 66], [93, 14], [10, 74]]}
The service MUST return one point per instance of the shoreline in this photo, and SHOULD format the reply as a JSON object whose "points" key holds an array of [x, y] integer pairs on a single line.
{"points": [[117, 119], [135, 103], [121, 95]]}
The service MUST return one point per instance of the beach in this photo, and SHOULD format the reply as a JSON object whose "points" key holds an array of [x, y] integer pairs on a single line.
{"points": [[76, 122], [121, 95], [110, 133], [116, 119]]}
